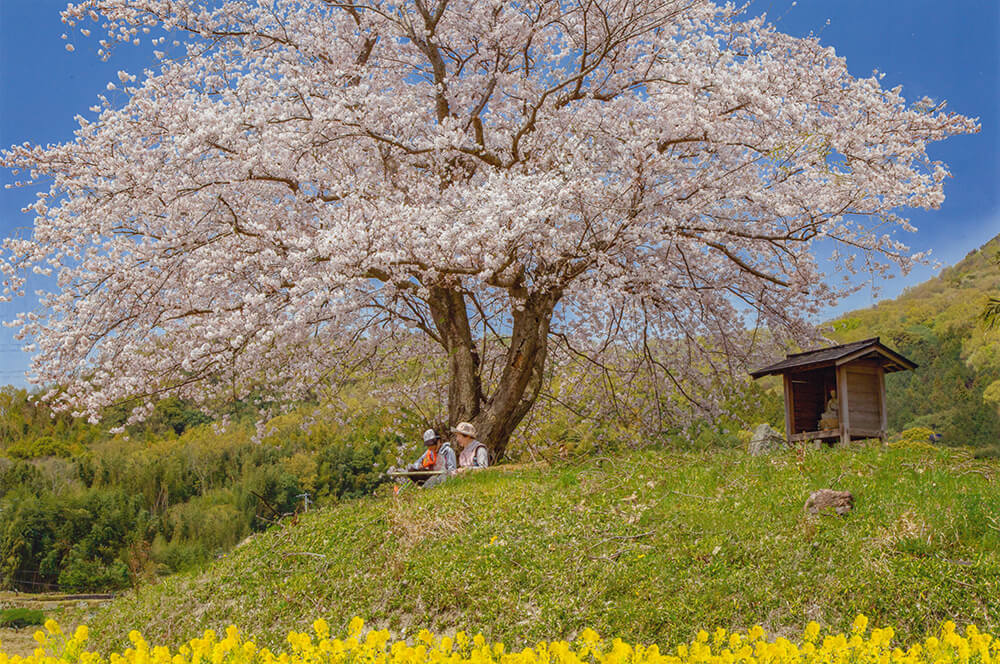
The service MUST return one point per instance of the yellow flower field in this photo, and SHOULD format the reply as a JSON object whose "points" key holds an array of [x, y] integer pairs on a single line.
{"points": [[860, 646]]}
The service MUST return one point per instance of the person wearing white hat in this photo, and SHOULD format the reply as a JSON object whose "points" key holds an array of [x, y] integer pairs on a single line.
{"points": [[439, 456], [473, 454]]}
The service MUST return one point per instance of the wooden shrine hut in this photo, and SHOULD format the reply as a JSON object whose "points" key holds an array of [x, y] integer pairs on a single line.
{"points": [[837, 392]]}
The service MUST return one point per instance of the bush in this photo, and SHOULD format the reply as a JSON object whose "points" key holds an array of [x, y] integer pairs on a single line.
{"points": [[914, 437], [85, 574], [21, 617], [43, 446], [178, 555]]}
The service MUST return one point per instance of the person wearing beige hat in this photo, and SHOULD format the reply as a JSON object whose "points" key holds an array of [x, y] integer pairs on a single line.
{"points": [[473, 454]]}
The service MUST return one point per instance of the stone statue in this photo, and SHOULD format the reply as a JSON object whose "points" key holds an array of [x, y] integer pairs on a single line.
{"points": [[830, 419]]}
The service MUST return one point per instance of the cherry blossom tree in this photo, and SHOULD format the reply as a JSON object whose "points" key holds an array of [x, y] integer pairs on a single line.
{"points": [[303, 184]]}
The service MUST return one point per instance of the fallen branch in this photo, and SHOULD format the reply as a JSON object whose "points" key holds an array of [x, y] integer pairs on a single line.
{"points": [[612, 558], [838, 477], [268, 505]]}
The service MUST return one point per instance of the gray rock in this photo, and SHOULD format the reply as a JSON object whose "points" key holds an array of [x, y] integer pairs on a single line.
{"points": [[840, 502], [765, 440]]}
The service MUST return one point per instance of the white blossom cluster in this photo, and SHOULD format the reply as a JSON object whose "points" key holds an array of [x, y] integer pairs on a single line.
{"points": [[302, 182]]}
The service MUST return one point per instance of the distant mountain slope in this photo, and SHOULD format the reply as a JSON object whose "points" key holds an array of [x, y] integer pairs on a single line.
{"points": [[956, 389]]}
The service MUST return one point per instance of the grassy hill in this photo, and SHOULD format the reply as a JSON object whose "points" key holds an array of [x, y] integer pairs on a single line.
{"points": [[85, 510], [956, 389], [649, 546]]}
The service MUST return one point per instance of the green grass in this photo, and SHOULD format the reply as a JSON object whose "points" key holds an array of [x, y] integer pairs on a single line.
{"points": [[18, 618], [650, 546]]}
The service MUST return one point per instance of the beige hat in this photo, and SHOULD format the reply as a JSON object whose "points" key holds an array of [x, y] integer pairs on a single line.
{"points": [[465, 428]]}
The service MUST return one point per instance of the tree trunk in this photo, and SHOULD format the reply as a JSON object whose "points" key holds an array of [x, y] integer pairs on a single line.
{"points": [[522, 377], [495, 418], [465, 388]]}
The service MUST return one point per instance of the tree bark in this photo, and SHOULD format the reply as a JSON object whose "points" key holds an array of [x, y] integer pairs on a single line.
{"points": [[465, 388], [521, 380], [522, 377]]}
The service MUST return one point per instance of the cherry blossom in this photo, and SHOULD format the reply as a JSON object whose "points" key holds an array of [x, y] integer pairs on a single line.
{"points": [[306, 187]]}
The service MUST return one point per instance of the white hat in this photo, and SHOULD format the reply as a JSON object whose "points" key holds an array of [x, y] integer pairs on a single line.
{"points": [[430, 437], [465, 428]]}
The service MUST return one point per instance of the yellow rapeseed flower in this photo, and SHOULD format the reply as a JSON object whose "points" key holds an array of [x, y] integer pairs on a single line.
{"points": [[355, 626], [949, 646]]}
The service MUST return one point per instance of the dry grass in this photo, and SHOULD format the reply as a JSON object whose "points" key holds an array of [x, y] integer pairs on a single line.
{"points": [[412, 522], [17, 641]]}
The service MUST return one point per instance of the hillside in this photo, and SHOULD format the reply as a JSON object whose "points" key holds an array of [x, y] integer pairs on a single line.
{"points": [[649, 547], [85, 510], [956, 389]]}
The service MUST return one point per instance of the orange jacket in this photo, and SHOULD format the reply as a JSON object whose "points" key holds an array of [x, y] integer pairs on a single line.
{"points": [[428, 460]]}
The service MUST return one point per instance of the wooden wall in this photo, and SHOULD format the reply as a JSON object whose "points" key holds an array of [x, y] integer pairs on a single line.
{"points": [[864, 386]]}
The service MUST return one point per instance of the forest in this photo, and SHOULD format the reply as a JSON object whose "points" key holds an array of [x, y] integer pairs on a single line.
{"points": [[939, 324], [83, 510]]}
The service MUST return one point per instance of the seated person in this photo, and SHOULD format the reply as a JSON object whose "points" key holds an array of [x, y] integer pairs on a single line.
{"points": [[439, 456], [473, 453]]}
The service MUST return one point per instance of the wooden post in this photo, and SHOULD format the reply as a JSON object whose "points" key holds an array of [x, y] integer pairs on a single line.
{"points": [[883, 414], [789, 408], [842, 398]]}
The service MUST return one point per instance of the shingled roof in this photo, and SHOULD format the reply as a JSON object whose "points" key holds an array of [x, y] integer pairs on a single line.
{"points": [[837, 355]]}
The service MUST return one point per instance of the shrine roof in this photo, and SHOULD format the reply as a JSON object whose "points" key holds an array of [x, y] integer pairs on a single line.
{"points": [[838, 355]]}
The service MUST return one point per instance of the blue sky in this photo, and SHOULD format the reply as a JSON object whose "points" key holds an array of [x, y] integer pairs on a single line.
{"points": [[944, 50]]}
